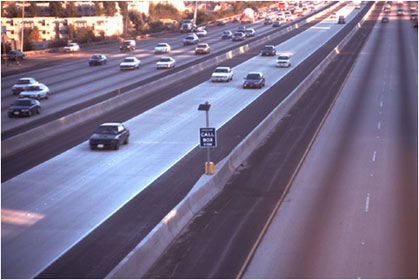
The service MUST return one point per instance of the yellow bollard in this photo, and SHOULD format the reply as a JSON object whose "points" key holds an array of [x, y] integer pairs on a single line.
{"points": [[209, 169]]}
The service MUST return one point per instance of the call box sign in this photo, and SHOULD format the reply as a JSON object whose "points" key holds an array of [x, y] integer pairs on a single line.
{"points": [[208, 137]]}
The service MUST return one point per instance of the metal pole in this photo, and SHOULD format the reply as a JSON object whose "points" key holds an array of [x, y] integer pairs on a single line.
{"points": [[208, 149], [23, 27], [194, 13]]}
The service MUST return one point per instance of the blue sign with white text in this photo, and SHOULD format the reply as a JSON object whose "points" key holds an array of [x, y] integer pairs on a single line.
{"points": [[208, 137]]}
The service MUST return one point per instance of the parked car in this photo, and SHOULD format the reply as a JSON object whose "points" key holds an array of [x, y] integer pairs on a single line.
{"points": [[97, 59], [202, 48], [276, 23], [162, 48], [12, 55], [222, 74], [385, 19], [254, 80], [37, 91], [190, 39], [109, 135], [221, 23], [24, 107], [400, 12], [226, 34], [130, 63], [72, 47], [128, 45], [21, 84], [250, 32], [238, 36], [201, 32], [165, 63], [268, 50], [341, 20], [283, 60]]}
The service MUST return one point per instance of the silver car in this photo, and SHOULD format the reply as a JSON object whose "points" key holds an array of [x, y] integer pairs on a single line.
{"points": [[130, 63], [37, 91], [166, 63]]}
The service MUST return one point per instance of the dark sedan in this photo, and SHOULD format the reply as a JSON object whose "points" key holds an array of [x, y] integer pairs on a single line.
{"points": [[24, 107], [268, 50], [97, 59], [276, 23], [254, 80], [12, 55], [109, 135]]}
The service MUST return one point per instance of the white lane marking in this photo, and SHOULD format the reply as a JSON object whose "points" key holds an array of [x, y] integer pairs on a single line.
{"points": [[367, 203], [379, 125], [381, 104], [374, 155]]}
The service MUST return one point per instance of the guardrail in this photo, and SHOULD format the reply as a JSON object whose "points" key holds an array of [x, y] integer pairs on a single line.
{"points": [[27, 139], [139, 260]]}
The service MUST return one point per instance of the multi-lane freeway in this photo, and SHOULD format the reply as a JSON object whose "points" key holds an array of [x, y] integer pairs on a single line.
{"points": [[71, 212]]}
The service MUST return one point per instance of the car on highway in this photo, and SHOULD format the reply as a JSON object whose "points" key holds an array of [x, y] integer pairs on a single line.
{"points": [[130, 63], [387, 10], [238, 36], [21, 84], [166, 62], [38, 91], [221, 23], [250, 32], [267, 21], [276, 23], [400, 12], [128, 45], [254, 80], [283, 60], [385, 19], [341, 20], [72, 47], [226, 34], [190, 39], [13, 54], [222, 74], [162, 48], [109, 135], [268, 50], [24, 107], [241, 28], [202, 48], [97, 59], [201, 32]]}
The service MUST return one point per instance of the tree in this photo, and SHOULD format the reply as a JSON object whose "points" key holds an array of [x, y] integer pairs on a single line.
{"points": [[71, 9], [123, 6], [109, 7], [71, 31], [98, 10], [13, 11], [56, 9], [140, 22], [34, 9], [31, 36]]}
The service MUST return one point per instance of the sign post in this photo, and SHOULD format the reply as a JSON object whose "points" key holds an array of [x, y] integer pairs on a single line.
{"points": [[208, 138]]}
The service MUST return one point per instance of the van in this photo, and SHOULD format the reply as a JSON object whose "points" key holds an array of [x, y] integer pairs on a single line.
{"points": [[128, 45]]}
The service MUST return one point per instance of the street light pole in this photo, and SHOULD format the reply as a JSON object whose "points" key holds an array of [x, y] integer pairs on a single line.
{"points": [[22, 25]]}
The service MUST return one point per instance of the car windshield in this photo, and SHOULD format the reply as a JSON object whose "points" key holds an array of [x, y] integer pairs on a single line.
{"points": [[22, 103], [190, 38], [165, 59], [128, 60], [268, 48], [249, 31], [23, 82], [283, 57], [96, 57], [226, 32], [221, 70], [32, 88], [202, 45], [106, 129], [253, 76], [238, 34], [161, 45]]}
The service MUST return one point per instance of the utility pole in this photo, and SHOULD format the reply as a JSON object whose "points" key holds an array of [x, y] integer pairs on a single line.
{"points": [[22, 26], [194, 12]]}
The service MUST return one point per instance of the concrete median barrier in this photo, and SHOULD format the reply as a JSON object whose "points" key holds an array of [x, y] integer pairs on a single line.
{"points": [[208, 187]]}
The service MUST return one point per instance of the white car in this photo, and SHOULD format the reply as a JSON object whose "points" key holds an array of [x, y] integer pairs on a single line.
{"points": [[165, 63], [200, 32], [283, 60], [37, 91], [130, 63], [72, 47], [222, 74], [162, 48], [21, 84]]}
